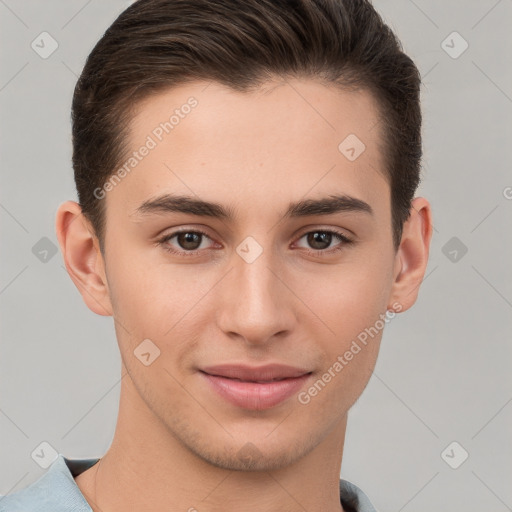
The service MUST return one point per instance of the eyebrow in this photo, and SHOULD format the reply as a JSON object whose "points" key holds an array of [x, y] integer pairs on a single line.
{"points": [[169, 203]]}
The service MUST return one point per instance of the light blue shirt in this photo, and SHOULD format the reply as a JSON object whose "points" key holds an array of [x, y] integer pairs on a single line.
{"points": [[56, 491]]}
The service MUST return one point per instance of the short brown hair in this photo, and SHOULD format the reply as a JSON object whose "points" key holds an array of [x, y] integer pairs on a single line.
{"points": [[157, 44]]}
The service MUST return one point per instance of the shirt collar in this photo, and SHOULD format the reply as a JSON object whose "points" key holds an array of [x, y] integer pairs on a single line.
{"points": [[57, 491]]}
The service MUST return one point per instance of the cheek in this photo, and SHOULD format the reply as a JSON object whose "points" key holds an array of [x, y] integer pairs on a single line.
{"points": [[350, 298], [350, 307], [158, 301], [349, 355]]}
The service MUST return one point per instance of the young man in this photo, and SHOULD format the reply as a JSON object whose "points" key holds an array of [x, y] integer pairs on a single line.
{"points": [[246, 173]]}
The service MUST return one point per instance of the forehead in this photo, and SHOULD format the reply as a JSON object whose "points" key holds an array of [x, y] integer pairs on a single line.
{"points": [[288, 108], [282, 141]]}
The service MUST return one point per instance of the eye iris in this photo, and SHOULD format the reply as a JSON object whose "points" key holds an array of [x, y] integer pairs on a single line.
{"points": [[319, 237], [187, 239]]}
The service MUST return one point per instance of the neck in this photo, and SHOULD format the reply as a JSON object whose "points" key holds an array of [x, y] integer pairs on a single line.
{"points": [[147, 467]]}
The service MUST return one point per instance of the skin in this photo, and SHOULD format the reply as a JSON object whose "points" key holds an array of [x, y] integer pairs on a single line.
{"points": [[176, 444]]}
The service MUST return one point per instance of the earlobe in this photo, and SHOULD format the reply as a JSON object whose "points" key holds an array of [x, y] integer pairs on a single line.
{"points": [[82, 257], [412, 255]]}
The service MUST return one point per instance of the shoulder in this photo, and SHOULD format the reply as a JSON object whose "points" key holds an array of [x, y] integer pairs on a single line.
{"points": [[54, 491]]}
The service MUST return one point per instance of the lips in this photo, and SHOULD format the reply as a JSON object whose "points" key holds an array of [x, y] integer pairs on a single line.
{"points": [[255, 388], [267, 373]]}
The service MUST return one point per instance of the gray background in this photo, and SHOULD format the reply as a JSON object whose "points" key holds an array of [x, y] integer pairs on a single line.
{"points": [[443, 373]]}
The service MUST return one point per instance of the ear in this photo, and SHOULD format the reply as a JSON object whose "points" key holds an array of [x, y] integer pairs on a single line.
{"points": [[412, 256], [83, 258]]}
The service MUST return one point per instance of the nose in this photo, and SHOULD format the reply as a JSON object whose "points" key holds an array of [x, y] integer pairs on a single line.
{"points": [[254, 302]]}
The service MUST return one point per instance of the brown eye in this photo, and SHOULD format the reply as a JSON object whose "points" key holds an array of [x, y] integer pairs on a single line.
{"points": [[319, 240], [189, 240], [187, 243]]}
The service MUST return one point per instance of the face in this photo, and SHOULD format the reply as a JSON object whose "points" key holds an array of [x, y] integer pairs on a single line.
{"points": [[266, 275]]}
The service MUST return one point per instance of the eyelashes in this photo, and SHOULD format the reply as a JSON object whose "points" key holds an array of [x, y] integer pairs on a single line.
{"points": [[343, 239], [164, 241], [198, 234]]}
